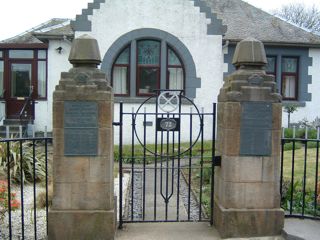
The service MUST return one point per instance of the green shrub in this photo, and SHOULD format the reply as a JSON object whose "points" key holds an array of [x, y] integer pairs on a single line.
{"points": [[297, 200], [289, 146], [27, 161]]}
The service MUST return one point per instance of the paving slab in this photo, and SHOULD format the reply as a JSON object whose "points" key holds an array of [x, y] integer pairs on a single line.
{"points": [[297, 229], [175, 231]]}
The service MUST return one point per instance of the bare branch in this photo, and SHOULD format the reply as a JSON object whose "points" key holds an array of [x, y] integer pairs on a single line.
{"points": [[299, 14]]}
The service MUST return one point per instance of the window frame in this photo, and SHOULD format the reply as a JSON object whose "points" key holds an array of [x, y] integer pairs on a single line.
{"points": [[295, 74], [168, 47], [139, 66], [128, 71], [275, 65]]}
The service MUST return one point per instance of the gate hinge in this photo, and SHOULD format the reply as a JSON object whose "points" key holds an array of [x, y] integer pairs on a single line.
{"points": [[116, 124], [217, 161]]}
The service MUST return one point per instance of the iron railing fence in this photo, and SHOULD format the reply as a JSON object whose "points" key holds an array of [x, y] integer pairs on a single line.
{"points": [[25, 174], [300, 185]]}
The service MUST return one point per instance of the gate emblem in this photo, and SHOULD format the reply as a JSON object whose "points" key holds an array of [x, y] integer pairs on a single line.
{"points": [[168, 101]]}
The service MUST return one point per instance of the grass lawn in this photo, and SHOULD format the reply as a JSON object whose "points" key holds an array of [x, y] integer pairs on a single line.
{"points": [[299, 168]]}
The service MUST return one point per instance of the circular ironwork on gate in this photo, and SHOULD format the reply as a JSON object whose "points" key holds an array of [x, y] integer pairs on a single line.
{"points": [[168, 102]]}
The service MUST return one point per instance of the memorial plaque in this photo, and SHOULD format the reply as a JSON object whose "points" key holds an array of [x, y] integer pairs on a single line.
{"points": [[256, 129], [80, 128]]}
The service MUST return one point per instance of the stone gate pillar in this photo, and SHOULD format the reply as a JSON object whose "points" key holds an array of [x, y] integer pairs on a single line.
{"points": [[83, 199], [247, 195]]}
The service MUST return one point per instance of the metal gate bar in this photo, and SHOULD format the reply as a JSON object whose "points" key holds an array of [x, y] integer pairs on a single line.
{"points": [[169, 160]]}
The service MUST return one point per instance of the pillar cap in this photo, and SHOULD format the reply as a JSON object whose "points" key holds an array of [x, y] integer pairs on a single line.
{"points": [[249, 52], [85, 51]]}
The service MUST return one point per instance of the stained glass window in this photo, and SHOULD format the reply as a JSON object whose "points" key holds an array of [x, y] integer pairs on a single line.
{"points": [[271, 65], [148, 52], [289, 65]]}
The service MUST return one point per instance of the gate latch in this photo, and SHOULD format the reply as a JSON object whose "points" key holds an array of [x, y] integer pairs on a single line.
{"points": [[217, 161]]}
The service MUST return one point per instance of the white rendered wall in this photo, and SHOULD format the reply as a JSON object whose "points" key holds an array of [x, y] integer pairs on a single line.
{"points": [[312, 109], [177, 17], [57, 63]]}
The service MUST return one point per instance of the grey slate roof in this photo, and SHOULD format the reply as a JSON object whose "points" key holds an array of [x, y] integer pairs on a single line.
{"points": [[54, 28], [244, 20]]}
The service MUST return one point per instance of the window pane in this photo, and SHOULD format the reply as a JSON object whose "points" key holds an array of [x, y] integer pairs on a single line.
{"points": [[1, 54], [289, 87], [42, 76], [173, 58], [289, 65], [42, 54], [20, 80], [271, 65], [119, 77], [148, 78], [1, 79], [21, 54], [148, 52], [123, 57], [175, 78]]}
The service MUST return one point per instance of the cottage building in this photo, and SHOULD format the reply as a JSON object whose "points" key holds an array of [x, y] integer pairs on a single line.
{"points": [[152, 44]]}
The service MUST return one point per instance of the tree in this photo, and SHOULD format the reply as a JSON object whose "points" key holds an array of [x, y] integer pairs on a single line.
{"points": [[299, 14], [290, 108]]}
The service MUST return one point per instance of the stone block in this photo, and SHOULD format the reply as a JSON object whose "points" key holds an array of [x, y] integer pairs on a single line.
{"points": [[232, 115], [276, 142], [92, 196], [71, 169], [271, 169], [101, 169], [58, 141], [276, 116], [58, 109], [61, 196], [244, 223], [260, 195], [229, 169], [230, 142], [250, 169], [233, 194], [81, 225], [105, 142], [105, 114]]}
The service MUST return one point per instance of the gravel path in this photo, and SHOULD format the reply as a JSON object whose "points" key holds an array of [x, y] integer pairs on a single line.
{"points": [[41, 223], [29, 223]]}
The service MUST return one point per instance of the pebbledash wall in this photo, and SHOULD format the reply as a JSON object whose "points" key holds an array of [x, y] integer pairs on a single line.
{"points": [[187, 26], [57, 63]]}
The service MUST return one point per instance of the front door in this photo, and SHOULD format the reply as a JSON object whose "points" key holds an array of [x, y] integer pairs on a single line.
{"points": [[20, 89]]}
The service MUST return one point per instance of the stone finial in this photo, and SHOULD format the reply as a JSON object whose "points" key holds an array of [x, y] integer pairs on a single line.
{"points": [[85, 52], [250, 52]]}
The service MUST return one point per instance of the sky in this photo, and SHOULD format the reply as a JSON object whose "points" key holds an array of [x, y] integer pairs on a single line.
{"points": [[17, 16]]}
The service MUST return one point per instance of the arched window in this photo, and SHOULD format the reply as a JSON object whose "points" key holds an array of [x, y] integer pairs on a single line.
{"points": [[148, 66], [175, 71], [121, 73], [154, 65]]}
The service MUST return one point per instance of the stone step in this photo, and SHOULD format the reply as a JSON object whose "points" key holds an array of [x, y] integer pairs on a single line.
{"points": [[16, 121]]}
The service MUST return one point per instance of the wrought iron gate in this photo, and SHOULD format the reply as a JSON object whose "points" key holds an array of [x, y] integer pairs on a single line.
{"points": [[166, 162]]}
